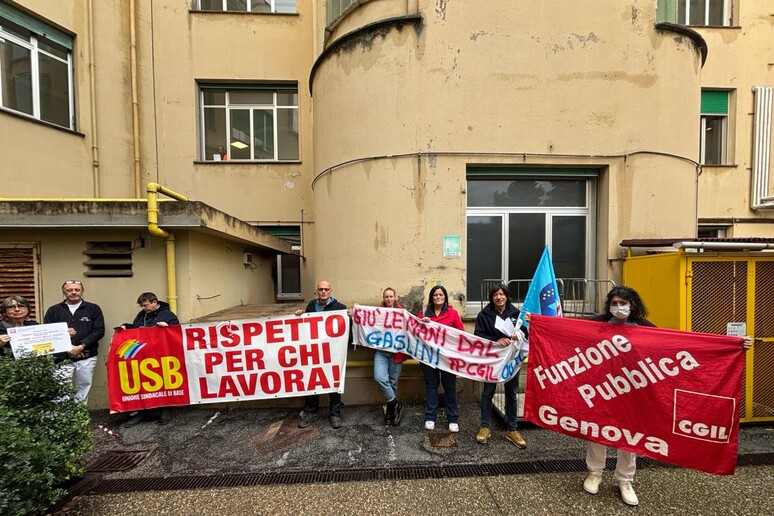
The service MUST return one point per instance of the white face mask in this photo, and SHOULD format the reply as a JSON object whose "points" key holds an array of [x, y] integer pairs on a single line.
{"points": [[621, 312]]}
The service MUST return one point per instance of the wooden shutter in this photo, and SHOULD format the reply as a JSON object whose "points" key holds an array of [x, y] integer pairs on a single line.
{"points": [[18, 264]]}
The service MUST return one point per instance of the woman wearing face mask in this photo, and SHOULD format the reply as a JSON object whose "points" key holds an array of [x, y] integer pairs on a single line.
{"points": [[622, 306]]}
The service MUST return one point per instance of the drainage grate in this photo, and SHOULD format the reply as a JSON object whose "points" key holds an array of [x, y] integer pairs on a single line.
{"points": [[117, 460], [377, 473]]}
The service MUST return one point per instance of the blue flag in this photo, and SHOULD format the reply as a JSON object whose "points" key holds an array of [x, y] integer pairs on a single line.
{"points": [[543, 296]]}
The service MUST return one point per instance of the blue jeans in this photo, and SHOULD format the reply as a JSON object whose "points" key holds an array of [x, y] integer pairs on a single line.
{"points": [[386, 373], [434, 378], [511, 402]]}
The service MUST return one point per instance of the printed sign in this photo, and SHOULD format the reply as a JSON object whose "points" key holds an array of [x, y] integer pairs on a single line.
{"points": [[666, 394], [40, 339], [228, 361]]}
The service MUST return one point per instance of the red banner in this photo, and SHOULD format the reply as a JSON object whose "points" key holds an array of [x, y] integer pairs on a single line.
{"points": [[228, 361], [666, 394]]}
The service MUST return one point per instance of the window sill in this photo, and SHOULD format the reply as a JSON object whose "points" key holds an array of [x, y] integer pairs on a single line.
{"points": [[244, 162], [28, 118], [240, 13], [725, 165], [714, 26]]}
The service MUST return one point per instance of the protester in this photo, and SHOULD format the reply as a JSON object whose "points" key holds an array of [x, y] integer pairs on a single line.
{"points": [[499, 307], [86, 326], [622, 306], [387, 368], [152, 313], [438, 310], [323, 303], [15, 312]]}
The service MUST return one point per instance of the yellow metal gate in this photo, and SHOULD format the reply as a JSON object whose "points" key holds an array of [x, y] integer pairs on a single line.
{"points": [[704, 292]]}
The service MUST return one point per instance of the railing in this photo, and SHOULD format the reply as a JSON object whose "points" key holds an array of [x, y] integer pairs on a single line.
{"points": [[579, 297]]}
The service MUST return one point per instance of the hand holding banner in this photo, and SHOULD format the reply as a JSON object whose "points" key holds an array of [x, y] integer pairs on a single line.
{"points": [[665, 394]]}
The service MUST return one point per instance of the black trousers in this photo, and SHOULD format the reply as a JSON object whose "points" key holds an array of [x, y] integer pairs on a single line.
{"points": [[312, 403]]}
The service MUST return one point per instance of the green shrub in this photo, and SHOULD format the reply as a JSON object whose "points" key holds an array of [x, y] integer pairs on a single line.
{"points": [[43, 435]]}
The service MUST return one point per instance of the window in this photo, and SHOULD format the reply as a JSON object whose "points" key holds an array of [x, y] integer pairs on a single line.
{"points": [[336, 7], [249, 6], [714, 13], [512, 217], [249, 123], [108, 259], [288, 272], [714, 127], [35, 68]]}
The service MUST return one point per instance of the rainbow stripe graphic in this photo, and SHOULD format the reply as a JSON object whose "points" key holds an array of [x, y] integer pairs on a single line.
{"points": [[130, 348]]}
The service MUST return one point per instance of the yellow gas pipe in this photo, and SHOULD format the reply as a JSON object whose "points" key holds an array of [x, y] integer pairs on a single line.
{"points": [[153, 228]]}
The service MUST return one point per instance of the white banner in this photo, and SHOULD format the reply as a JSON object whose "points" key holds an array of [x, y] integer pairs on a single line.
{"points": [[442, 347], [40, 339]]}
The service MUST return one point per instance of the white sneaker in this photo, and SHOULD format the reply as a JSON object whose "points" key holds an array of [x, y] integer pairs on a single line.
{"points": [[429, 425], [591, 484], [454, 428], [627, 493]]}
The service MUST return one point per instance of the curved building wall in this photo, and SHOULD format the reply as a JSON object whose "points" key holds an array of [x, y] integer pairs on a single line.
{"points": [[530, 83]]}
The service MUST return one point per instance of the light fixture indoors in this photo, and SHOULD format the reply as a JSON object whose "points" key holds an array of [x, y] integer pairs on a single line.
{"points": [[238, 145]]}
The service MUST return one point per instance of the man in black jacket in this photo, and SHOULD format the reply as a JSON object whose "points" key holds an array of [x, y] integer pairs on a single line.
{"points": [[323, 303], [152, 313], [86, 326]]}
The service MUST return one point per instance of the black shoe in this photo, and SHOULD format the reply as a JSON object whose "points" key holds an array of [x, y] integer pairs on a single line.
{"points": [[398, 413], [390, 416], [134, 420], [335, 421], [307, 420], [165, 417]]}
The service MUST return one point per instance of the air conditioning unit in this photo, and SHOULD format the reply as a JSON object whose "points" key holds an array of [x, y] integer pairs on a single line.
{"points": [[248, 258]]}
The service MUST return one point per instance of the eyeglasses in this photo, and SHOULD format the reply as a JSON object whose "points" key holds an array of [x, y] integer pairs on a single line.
{"points": [[323, 289], [16, 307], [73, 281]]}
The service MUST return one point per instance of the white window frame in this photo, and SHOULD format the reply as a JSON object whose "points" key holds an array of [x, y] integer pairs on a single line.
{"points": [[472, 308], [272, 3], [35, 51], [282, 295], [251, 108], [723, 137], [726, 13]]}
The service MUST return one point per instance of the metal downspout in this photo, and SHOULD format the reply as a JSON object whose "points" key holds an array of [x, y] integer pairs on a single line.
{"points": [[153, 228], [93, 101], [135, 103]]}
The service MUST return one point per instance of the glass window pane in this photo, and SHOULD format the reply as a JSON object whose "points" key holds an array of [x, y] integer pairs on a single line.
{"points": [[54, 91], [485, 252], [697, 12], [14, 29], [211, 5], [716, 13], [15, 74], [568, 246], [214, 133], [236, 5], [285, 6], [526, 240], [291, 274], [252, 97], [240, 134], [52, 48], [214, 97], [263, 134], [287, 132], [261, 6], [526, 192], [714, 140], [287, 98]]}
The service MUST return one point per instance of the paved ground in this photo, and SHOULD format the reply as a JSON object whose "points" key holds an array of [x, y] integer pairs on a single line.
{"points": [[212, 441]]}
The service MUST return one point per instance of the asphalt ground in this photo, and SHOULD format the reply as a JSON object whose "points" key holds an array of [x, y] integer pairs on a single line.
{"points": [[210, 441]]}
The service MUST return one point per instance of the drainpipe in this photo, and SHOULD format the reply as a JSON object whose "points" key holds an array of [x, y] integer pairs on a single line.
{"points": [[93, 102], [135, 103], [153, 228]]}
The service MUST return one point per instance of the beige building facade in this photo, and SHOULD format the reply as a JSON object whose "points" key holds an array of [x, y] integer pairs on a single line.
{"points": [[373, 143]]}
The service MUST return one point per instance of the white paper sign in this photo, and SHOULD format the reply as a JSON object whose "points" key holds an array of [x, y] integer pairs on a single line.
{"points": [[41, 339]]}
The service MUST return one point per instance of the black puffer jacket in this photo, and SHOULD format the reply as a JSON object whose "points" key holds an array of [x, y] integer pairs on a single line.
{"points": [[161, 314]]}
